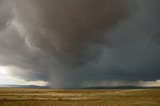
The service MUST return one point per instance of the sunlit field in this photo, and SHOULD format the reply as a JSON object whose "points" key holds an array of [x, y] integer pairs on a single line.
{"points": [[50, 97]]}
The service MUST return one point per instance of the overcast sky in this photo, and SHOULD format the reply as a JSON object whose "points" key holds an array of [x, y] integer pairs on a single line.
{"points": [[78, 43]]}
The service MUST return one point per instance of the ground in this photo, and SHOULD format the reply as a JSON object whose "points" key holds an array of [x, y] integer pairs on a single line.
{"points": [[52, 97]]}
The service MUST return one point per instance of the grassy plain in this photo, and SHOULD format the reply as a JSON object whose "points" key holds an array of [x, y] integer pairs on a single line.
{"points": [[52, 97]]}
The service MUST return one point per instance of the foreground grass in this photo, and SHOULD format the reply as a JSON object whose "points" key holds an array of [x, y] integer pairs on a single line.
{"points": [[50, 97]]}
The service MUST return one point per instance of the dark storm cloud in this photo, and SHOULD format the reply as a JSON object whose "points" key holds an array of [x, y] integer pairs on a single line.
{"points": [[139, 56], [70, 42], [135, 51], [4, 13], [69, 30], [156, 38]]}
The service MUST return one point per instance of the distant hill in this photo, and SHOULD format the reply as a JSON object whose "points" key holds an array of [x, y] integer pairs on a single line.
{"points": [[121, 87], [96, 87], [24, 86]]}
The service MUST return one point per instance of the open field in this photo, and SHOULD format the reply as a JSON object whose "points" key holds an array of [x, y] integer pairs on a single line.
{"points": [[50, 97]]}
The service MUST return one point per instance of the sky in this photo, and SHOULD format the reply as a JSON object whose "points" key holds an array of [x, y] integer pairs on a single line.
{"points": [[80, 43]]}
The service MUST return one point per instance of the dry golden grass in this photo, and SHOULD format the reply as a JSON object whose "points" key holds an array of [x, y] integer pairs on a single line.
{"points": [[50, 97]]}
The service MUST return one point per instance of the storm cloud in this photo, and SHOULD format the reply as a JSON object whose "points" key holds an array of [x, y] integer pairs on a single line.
{"points": [[69, 42]]}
